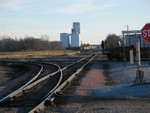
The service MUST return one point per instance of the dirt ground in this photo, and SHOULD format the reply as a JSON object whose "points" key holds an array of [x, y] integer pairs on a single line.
{"points": [[10, 71], [35, 54], [77, 99]]}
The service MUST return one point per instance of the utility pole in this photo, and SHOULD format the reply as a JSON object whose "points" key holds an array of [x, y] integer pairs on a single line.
{"points": [[139, 72], [124, 51]]}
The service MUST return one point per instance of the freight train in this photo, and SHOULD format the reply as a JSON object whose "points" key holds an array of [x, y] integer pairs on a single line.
{"points": [[120, 53]]}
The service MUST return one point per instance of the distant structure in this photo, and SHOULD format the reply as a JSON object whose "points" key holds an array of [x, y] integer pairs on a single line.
{"points": [[132, 36], [75, 34], [71, 40], [64, 38]]}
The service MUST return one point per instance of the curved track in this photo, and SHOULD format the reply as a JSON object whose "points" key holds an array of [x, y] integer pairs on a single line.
{"points": [[74, 70], [42, 89], [44, 71], [36, 75]]}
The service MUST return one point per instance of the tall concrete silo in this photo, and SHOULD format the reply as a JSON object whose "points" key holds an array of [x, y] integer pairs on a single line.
{"points": [[64, 38], [75, 34]]}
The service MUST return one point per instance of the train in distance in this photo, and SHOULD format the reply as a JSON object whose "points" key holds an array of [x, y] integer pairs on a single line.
{"points": [[87, 48]]}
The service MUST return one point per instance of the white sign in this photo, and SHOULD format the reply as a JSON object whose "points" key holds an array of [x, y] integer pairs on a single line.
{"points": [[131, 31]]}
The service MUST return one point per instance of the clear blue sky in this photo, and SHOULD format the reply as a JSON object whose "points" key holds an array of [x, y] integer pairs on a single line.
{"points": [[97, 18]]}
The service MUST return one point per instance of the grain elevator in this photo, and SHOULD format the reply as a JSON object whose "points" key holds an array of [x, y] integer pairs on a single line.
{"points": [[64, 38], [72, 39], [75, 34]]}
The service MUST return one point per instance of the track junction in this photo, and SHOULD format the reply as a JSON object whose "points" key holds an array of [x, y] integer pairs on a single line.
{"points": [[45, 86]]}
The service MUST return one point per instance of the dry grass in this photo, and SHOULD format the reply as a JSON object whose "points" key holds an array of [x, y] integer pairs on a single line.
{"points": [[36, 54]]}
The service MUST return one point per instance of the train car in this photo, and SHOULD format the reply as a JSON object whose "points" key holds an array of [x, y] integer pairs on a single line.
{"points": [[120, 53], [117, 53]]}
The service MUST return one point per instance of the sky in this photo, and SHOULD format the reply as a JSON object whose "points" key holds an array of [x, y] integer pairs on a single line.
{"points": [[98, 18]]}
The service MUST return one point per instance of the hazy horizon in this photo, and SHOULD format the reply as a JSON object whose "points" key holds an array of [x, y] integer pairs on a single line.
{"points": [[97, 18]]}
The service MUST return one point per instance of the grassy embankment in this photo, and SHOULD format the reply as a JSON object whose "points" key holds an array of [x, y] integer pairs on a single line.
{"points": [[36, 54]]}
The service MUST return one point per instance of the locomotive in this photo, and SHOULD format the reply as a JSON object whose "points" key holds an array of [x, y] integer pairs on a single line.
{"points": [[86, 49]]}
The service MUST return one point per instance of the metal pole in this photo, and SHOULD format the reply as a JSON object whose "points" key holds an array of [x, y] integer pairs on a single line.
{"points": [[124, 52], [139, 72], [138, 54], [127, 28], [149, 54], [124, 49], [128, 34]]}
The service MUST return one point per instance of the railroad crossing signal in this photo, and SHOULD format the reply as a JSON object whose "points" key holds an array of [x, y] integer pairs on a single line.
{"points": [[146, 32]]}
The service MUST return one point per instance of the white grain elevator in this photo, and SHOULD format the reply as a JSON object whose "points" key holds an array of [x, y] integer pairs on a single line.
{"points": [[71, 40], [75, 34], [64, 38]]}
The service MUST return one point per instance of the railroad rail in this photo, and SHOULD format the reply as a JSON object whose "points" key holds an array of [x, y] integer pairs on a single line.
{"points": [[51, 96], [54, 83], [31, 83]]}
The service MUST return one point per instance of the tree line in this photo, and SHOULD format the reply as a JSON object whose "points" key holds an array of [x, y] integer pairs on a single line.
{"points": [[8, 44]]}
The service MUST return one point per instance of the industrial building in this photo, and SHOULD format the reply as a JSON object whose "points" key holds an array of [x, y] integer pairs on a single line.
{"points": [[72, 39], [64, 38], [132, 36], [75, 34]]}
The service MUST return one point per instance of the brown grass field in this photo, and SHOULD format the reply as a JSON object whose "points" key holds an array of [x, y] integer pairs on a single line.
{"points": [[36, 54]]}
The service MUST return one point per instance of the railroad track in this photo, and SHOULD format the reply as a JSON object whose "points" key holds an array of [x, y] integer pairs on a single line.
{"points": [[41, 91], [42, 70]]}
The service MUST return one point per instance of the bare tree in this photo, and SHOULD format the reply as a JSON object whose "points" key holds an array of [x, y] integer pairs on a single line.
{"points": [[45, 37], [112, 40], [29, 43], [8, 44], [56, 45]]}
